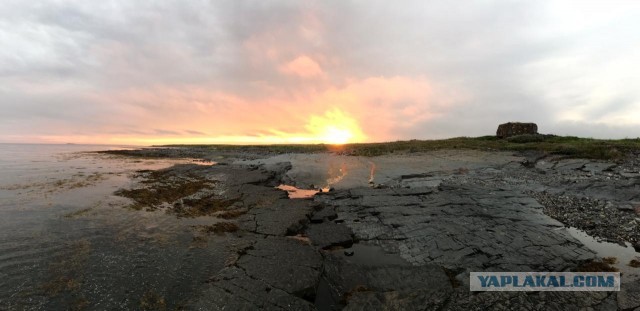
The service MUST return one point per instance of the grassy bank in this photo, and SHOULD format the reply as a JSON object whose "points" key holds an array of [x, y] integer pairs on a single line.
{"points": [[568, 146]]}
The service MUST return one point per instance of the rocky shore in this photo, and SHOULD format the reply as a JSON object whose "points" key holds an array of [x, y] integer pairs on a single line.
{"points": [[396, 232]]}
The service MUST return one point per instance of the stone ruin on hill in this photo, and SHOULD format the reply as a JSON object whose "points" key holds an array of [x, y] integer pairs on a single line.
{"points": [[516, 128]]}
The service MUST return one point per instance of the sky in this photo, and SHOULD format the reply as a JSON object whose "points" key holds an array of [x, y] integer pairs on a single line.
{"points": [[154, 72]]}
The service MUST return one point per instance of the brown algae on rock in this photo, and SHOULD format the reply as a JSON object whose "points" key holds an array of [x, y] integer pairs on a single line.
{"points": [[603, 265], [184, 195], [152, 301], [219, 228], [231, 214]]}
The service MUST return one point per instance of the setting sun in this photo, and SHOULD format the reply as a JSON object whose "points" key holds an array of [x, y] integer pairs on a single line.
{"points": [[335, 127], [335, 135]]}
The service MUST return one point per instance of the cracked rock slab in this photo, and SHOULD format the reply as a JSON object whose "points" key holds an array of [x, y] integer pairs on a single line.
{"points": [[560, 301], [283, 263], [389, 287], [283, 217], [326, 214], [233, 289], [469, 226], [330, 234], [629, 295]]}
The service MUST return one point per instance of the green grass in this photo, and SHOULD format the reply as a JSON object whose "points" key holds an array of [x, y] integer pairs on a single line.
{"points": [[293, 148], [568, 146]]}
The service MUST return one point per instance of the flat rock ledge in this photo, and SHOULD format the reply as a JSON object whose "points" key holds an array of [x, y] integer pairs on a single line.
{"points": [[403, 248]]}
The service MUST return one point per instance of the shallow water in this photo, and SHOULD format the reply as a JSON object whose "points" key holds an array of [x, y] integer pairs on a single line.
{"points": [[371, 255], [67, 242], [296, 193], [624, 254], [345, 172]]}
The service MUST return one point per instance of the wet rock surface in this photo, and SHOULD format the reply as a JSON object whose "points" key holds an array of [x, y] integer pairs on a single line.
{"points": [[612, 222], [461, 226], [283, 263], [629, 296], [411, 243], [233, 289], [330, 234]]}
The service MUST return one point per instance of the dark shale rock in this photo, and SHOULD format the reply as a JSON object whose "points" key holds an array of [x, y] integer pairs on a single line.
{"points": [[325, 214], [396, 287], [532, 157], [284, 263], [330, 234], [233, 289], [502, 218], [282, 217], [629, 295], [560, 301], [467, 226]]}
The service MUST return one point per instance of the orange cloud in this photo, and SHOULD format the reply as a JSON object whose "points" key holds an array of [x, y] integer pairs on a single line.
{"points": [[359, 110], [303, 66], [384, 106]]}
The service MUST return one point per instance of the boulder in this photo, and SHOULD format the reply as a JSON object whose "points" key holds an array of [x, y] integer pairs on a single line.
{"points": [[516, 128], [330, 234]]}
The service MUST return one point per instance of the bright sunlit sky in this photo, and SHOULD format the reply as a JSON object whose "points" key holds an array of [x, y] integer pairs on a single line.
{"points": [[150, 72]]}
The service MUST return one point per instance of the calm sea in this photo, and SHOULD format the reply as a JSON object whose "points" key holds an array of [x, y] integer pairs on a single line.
{"points": [[66, 242]]}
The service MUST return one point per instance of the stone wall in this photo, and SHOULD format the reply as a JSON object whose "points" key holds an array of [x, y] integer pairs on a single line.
{"points": [[516, 128]]}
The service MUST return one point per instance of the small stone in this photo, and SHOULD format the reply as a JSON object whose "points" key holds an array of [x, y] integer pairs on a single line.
{"points": [[329, 234], [349, 253], [625, 207], [327, 213]]}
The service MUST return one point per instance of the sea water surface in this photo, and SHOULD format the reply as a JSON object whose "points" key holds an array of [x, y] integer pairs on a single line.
{"points": [[67, 242]]}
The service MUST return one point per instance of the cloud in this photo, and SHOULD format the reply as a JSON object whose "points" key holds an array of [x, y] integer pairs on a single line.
{"points": [[192, 132], [374, 106], [387, 106], [117, 71], [303, 67], [161, 132]]}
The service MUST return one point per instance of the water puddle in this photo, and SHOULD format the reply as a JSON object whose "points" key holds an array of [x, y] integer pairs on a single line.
{"points": [[296, 193], [202, 162], [335, 174], [624, 254], [371, 255], [372, 172], [326, 170], [325, 298], [358, 254]]}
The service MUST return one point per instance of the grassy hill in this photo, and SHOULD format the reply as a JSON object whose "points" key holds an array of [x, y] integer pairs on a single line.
{"points": [[568, 146]]}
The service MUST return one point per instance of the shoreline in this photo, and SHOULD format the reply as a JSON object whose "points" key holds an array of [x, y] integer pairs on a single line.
{"points": [[469, 211]]}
